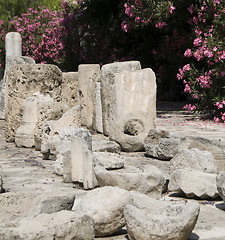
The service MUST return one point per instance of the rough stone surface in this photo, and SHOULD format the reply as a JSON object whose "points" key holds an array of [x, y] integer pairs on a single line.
{"points": [[70, 88], [82, 165], [151, 181], [174, 222], [106, 206], [109, 161], [132, 108], [1, 180], [100, 143], [63, 159], [98, 117], [61, 225], [194, 159], [108, 72], [194, 183], [51, 129], [88, 75], [220, 183], [22, 81]]}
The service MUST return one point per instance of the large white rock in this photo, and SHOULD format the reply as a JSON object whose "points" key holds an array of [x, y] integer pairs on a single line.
{"points": [[63, 158], [108, 72], [132, 108], [175, 222], [194, 183], [150, 181], [61, 225], [220, 183], [50, 131], [194, 159], [88, 75], [105, 205]]}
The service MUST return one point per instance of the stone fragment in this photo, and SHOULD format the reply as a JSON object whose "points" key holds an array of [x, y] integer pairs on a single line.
{"points": [[98, 118], [63, 159], [108, 72], [194, 159], [88, 75], [1, 180], [174, 222], [132, 108], [100, 143], [194, 183], [51, 129], [150, 181], [82, 165], [105, 205], [220, 183], [109, 161], [70, 88], [22, 82], [60, 225]]}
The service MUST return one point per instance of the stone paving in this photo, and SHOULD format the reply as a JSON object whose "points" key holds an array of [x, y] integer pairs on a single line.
{"points": [[24, 170]]}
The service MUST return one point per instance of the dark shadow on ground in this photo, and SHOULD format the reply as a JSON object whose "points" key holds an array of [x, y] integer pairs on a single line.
{"points": [[220, 206], [193, 236]]}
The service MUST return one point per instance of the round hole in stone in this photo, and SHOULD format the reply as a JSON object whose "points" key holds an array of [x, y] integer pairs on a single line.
{"points": [[133, 127]]}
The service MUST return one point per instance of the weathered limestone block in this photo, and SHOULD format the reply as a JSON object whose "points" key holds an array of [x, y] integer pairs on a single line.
{"points": [[174, 222], [101, 143], [22, 82], [60, 225], [194, 183], [88, 75], [98, 125], [82, 165], [13, 47], [69, 88], [132, 108], [50, 131], [108, 72], [109, 161], [194, 159], [1, 180], [220, 183], [106, 206], [63, 165], [151, 181]]}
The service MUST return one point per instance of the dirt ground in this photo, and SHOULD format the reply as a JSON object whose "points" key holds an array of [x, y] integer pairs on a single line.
{"points": [[24, 170]]}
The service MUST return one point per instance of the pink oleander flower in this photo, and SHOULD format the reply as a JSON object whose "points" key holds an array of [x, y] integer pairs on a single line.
{"points": [[191, 8], [186, 67], [187, 88], [124, 26], [188, 53], [216, 119], [198, 55], [160, 24], [197, 42], [172, 8], [189, 107], [208, 53]]}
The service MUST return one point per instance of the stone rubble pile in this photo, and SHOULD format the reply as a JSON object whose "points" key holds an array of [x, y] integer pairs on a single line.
{"points": [[56, 113]]}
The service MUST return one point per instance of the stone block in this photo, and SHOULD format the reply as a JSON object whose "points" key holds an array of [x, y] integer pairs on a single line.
{"points": [[82, 165], [108, 72], [88, 75], [220, 183], [132, 108], [50, 131], [98, 118], [1, 180], [23, 81], [70, 88]]}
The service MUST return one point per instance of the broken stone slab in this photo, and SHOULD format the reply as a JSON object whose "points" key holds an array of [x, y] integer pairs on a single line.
{"points": [[82, 165], [33, 203], [98, 118], [109, 161], [70, 88], [63, 158], [150, 181], [60, 225], [132, 108], [105, 205], [194, 183], [88, 75], [220, 183], [50, 131], [174, 222], [194, 159], [100, 143], [22, 82], [108, 72]]}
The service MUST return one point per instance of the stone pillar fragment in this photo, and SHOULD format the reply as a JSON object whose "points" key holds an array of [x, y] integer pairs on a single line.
{"points": [[82, 164], [108, 72], [132, 108], [88, 75], [13, 44], [98, 118]]}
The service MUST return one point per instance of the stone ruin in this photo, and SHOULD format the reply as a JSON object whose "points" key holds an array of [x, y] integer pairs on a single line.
{"points": [[67, 116]]}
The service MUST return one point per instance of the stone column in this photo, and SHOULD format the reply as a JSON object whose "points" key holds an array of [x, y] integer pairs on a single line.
{"points": [[88, 75]]}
